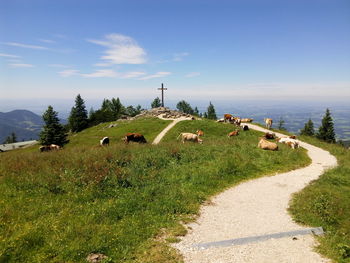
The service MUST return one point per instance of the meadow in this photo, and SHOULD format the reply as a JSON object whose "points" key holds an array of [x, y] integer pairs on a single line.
{"points": [[326, 203], [124, 201]]}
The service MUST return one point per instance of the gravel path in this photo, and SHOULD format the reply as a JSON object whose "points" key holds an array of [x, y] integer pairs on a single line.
{"points": [[256, 207], [167, 128]]}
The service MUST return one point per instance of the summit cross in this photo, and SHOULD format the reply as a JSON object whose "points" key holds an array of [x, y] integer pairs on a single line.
{"points": [[162, 89]]}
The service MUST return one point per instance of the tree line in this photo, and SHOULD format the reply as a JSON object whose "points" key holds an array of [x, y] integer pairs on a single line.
{"points": [[54, 132]]}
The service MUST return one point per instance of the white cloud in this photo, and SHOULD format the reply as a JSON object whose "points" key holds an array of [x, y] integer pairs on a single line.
{"points": [[157, 75], [121, 50], [49, 41], [102, 64], [180, 56], [69, 72], [58, 66], [15, 44], [8, 55], [21, 65], [192, 74], [133, 74], [101, 73]]}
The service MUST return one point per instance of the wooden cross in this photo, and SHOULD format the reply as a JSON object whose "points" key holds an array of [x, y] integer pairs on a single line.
{"points": [[162, 89]]}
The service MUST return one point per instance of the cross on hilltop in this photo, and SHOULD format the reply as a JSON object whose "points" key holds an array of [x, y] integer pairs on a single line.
{"points": [[162, 89]]}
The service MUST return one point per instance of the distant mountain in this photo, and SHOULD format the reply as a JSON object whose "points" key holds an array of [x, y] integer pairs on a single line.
{"points": [[25, 124]]}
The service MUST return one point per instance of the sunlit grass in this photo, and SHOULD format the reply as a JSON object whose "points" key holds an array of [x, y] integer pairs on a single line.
{"points": [[61, 206]]}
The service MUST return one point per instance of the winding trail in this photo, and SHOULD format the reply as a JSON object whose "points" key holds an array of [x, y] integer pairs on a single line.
{"points": [[254, 208], [167, 128]]}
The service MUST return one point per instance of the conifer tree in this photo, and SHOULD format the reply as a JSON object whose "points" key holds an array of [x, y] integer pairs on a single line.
{"points": [[211, 114], [280, 125], [308, 129], [185, 107], [156, 103], [196, 111], [11, 139], [78, 118], [53, 132], [326, 130]]}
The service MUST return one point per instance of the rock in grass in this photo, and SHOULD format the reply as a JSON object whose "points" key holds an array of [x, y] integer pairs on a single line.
{"points": [[95, 258]]}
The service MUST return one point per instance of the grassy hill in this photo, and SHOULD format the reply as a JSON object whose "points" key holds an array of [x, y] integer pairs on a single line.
{"points": [[326, 203], [125, 201]]}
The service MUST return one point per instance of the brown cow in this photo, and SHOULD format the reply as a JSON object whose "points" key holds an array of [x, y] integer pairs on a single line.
{"points": [[227, 117], [191, 137], [247, 120], [293, 137], [266, 145], [47, 148], [233, 133], [200, 133], [270, 135], [268, 123], [134, 137]]}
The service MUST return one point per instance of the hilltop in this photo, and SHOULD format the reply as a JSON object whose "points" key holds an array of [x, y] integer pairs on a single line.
{"points": [[116, 200]]}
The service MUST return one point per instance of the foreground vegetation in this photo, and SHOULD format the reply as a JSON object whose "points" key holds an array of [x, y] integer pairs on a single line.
{"points": [[118, 200], [326, 203]]}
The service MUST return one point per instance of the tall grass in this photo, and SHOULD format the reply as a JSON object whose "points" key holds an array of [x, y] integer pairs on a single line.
{"points": [[61, 206], [326, 203]]}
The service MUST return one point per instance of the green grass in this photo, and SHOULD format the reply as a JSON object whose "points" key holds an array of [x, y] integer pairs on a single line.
{"points": [[326, 203], [122, 199]]}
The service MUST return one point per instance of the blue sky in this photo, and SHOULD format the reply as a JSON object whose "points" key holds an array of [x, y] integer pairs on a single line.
{"points": [[239, 49]]}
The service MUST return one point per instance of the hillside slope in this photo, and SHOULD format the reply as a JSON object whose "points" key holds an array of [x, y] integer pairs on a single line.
{"points": [[25, 124], [116, 200]]}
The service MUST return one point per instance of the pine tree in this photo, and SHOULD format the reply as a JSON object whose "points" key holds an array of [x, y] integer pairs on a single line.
{"points": [[211, 112], [280, 125], [78, 118], [196, 111], [326, 130], [308, 129], [53, 132], [185, 107], [11, 139], [156, 103]]}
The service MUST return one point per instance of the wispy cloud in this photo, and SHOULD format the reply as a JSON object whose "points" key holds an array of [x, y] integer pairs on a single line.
{"points": [[102, 73], [180, 56], [21, 65], [68, 73], [102, 64], [157, 75], [59, 66], [192, 74], [15, 44], [49, 41], [133, 74], [8, 55], [121, 50]]}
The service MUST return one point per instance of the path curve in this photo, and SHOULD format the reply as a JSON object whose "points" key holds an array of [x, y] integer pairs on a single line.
{"points": [[167, 128], [253, 208]]}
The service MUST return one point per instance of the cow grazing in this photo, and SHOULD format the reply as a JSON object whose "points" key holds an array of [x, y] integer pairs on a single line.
{"points": [[266, 145], [245, 128], [270, 135], [191, 137], [292, 143], [47, 148], [236, 120], [134, 137], [200, 133], [104, 141], [268, 123], [247, 120], [228, 117], [221, 120], [233, 133], [293, 137]]}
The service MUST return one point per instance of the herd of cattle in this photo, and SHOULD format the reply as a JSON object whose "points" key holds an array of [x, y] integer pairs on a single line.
{"points": [[195, 137]]}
